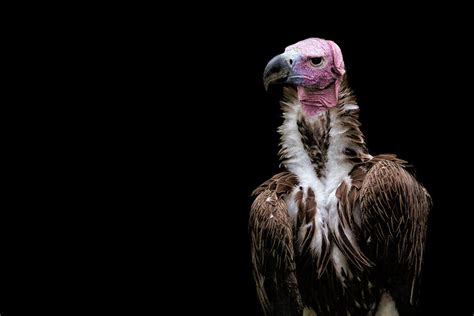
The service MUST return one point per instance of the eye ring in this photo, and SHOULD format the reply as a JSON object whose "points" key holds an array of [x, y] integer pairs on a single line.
{"points": [[316, 61]]}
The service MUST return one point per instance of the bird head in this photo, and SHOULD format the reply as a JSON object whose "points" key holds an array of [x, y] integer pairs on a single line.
{"points": [[314, 67]]}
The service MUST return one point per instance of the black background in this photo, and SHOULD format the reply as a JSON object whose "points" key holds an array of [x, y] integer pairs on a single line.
{"points": [[134, 192]]}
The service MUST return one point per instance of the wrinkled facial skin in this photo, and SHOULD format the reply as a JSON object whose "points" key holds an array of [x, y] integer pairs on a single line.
{"points": [[316, 68], [318, 76], [318, 80]]}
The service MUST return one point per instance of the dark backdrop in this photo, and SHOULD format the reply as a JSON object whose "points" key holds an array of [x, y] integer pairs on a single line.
{"points": [[171, 130]]}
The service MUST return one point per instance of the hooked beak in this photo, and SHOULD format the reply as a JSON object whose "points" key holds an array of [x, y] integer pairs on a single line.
{"points": [[277, 71]]}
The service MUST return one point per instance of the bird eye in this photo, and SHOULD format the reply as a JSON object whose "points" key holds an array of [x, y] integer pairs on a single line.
{"points": [[316, 61]]}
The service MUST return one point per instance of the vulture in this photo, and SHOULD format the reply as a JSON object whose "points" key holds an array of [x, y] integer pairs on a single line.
{"points": [[338, 231]]}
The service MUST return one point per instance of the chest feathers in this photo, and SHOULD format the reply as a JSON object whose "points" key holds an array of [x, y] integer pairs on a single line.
{"points": [[321, 151]]}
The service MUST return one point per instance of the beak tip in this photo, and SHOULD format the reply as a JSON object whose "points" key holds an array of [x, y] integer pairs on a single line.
{"points": [[276, 71]]}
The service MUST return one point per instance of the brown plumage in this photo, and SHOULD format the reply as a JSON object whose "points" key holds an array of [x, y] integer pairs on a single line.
{"points": [[340, 231], [315, 138], [272, 247], [382, 203], [399, 224]]}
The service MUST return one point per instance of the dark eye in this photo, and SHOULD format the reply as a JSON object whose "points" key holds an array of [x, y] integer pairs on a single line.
{"points": [[349, 152], [316, 61]]}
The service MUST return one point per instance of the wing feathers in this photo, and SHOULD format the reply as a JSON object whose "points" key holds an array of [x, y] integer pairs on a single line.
{"points": [[380, 227], [394, 213], [272, 250]]}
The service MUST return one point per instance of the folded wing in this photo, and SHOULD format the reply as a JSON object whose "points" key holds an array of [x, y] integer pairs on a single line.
{"points": [[272, 250]]}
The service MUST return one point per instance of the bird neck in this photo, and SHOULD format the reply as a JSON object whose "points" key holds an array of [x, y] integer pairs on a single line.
{"points": [[328, 144]]}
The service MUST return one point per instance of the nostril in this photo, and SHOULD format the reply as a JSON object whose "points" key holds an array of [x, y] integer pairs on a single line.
{"points": [[290, 61]]}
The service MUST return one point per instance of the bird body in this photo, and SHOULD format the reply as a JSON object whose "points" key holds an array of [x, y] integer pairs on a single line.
{"points": [[339, 232]]}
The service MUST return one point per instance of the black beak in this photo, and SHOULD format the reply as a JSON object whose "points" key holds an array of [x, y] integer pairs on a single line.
{"points": [[277, 71]]}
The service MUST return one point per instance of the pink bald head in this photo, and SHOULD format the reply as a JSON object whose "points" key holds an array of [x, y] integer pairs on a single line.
{"points": [[316, 47], [315, 67]]}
